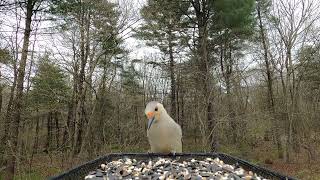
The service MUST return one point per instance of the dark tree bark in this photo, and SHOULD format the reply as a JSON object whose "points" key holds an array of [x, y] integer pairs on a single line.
{"points": [[202, 12], [12, 92], [72, 105], [57, 128], [213, 138], [35, 146], [226, 64], [266, 60], [36, 138], [69, 131], [271, 105], [180, 101], [119, 125], [9, 106], [18, 101], [1, 89], [84, 52], [182, 121], [49, 132], [173, 80]]}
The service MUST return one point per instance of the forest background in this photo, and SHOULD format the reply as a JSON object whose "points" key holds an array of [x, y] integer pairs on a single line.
{"points": [[240, 77]]}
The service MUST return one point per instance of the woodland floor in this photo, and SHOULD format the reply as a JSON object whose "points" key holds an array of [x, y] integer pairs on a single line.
{"points": [[44, 166]]}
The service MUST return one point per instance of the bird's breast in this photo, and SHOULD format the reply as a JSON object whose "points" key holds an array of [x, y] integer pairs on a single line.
{"points": [[163, 137]]}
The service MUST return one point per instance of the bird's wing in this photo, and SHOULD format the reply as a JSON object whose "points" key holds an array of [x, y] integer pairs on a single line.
{"points": [[179, 130], [177, 127]]}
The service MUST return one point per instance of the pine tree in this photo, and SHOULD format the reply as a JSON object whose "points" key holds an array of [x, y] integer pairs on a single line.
{"points": [[162, 29], [50, 89], [233, 24], [48, 96]]}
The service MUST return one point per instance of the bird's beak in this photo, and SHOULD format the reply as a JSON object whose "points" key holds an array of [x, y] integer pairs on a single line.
{"points": [[150, 121], [150, 115]]}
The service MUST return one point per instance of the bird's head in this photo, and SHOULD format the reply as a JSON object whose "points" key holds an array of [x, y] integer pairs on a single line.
{"points": [[153, 112]]}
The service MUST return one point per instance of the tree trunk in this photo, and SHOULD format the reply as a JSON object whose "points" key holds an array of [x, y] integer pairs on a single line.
{"points": [[36, 138], [226, 65], [289, 97], [9, 107], [271, 105], [35, 146], [69, 131], [182, 121], [213, 137], [57, 128], [17, 104], [173, 80], [1, 89], [29, 75], [266, 60], [49, 132], [82, 117], [202, 12], [119, 125], [12, 92]]}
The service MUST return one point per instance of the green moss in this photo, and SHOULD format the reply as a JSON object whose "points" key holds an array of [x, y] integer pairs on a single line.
{"points": [[30, 176], [307, 174], [27, 176]]}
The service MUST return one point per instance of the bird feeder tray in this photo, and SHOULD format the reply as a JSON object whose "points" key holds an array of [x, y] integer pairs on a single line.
{"points": [[82, 171]]}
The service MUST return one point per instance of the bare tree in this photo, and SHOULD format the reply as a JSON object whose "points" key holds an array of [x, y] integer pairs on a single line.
{"points": [[202, 12], [262, 10], [18, 100], [292, 21]]}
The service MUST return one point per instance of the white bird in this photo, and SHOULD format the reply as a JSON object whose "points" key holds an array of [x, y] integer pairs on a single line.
{"points": [[164, 134]]}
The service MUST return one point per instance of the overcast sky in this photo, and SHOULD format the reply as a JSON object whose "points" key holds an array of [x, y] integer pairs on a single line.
{"points": [[52, 42]]}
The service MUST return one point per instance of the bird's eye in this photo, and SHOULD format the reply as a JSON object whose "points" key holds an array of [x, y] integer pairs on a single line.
{"points": [[156, 109]]}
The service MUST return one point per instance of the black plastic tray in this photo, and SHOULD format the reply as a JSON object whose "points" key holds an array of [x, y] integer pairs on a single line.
{"points": [[81, 171]]}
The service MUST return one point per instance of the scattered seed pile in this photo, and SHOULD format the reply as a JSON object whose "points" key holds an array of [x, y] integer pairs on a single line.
{"points": [[165, 168]]}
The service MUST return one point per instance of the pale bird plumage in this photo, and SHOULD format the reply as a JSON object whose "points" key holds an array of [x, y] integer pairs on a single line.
{"points": [[164, 134]]}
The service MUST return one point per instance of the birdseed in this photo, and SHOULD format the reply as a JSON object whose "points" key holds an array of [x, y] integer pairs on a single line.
{"points": [[166, 168]]}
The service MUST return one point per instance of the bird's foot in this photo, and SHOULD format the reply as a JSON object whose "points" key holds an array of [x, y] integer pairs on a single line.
{"points": [[173, 153]]}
